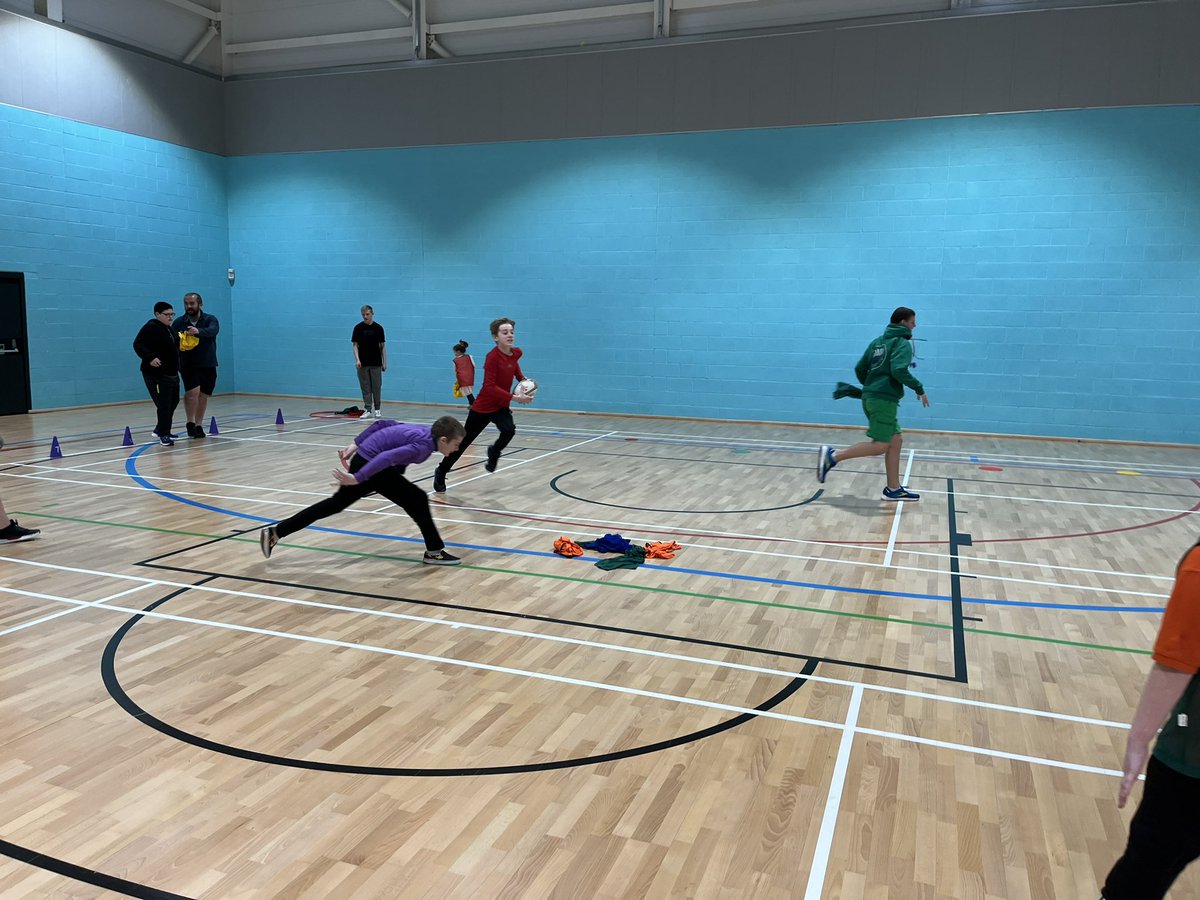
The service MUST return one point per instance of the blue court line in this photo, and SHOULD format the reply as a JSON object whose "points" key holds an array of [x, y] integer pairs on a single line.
{"points": [[131, 470]]}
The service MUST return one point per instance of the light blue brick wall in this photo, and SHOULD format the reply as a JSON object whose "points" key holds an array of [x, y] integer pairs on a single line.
{"points": [[103, 224], [1054, 260]]}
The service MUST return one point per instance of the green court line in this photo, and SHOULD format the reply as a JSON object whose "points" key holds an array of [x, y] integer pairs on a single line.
{"points": [[633, 587]]}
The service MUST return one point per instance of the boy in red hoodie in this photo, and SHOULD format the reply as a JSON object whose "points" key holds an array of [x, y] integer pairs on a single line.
{"points": [[491, 404]]}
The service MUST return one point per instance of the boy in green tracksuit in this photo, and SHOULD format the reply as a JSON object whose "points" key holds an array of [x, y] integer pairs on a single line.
{"points": [[883, 371]]}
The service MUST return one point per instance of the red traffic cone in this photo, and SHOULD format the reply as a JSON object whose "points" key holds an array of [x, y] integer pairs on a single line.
{"points": [[55, 450], [212, 426], [127, 441], [279, 417]]}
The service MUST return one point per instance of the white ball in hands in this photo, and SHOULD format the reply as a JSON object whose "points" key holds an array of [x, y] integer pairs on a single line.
{"points": [[526, 388]]}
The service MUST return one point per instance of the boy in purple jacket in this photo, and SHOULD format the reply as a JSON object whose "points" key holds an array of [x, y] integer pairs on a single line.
{"points": [[375, 463]]}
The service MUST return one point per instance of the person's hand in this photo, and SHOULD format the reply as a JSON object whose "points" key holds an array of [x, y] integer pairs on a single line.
{"points": [[155, 363], [344, 478], [384, 368], [347, 453], [357, 364], [522, 398], [192, 329], [1135, 759], [924, 398]]}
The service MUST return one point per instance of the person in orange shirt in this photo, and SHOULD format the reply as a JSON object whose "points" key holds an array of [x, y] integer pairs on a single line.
{"points": [[1163, 836]]}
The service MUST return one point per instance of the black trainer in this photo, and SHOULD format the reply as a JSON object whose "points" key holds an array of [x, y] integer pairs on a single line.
{"points": [[493, 458], [191, 429], [439, 482], [267, 540], [439, 558], [12, 533]]}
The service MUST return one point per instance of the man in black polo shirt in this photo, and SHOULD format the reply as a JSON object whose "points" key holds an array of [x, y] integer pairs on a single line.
{"points": [[197, 360]]}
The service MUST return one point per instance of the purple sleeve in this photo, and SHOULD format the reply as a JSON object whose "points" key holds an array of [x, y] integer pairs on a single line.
{"points": [[397, 456]]}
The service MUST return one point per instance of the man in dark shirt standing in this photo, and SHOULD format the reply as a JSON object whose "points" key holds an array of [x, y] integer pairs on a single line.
{"points": [[158, 347], [370, 358], [197, 360]]}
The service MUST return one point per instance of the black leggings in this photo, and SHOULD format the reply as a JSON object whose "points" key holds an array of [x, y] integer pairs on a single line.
{"points": [[1163, 837], [476, 422], [390, 483]]}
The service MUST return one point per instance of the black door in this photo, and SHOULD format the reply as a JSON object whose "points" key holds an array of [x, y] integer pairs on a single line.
{"points": [[14, 356]]}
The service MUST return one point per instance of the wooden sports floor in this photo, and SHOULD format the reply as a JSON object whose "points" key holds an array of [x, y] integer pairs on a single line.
{"points": [[821, 696]]}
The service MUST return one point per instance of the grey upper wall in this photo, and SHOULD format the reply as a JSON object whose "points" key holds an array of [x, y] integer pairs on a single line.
{"points": [[1123, 55], [53, 70]]}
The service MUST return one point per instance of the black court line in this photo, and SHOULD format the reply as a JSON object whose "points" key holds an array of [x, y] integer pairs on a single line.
{"points": [[155, 562], [127, 703], [957, 539], [88, 876], [533, 617], [697, 512]]}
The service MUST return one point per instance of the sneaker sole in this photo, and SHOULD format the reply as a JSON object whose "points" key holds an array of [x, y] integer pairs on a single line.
{"points": [[441, 562], [264, 544], [901, 499], [21, 539], [821, 470]]}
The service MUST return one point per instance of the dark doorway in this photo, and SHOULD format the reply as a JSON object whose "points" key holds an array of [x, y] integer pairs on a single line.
{"points": [[14, 345]]}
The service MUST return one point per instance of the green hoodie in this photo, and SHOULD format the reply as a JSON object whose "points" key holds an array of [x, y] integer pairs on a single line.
{"points": [[883, 369]]}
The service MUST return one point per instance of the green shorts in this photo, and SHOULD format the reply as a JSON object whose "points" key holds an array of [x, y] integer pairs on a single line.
{"points": [[882, 421]]}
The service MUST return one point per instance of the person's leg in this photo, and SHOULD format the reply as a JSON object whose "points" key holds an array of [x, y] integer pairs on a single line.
{"points": [[364, 385], [377, 385], [165, 392], [346, 495], [470, 400], [504, 421], [172, 394], [891, 462], [1163, 838], [189, 404], [392, 484], [476, 422]]}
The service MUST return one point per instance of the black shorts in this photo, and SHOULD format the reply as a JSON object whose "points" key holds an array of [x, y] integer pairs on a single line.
{"points": [[205, 379]]}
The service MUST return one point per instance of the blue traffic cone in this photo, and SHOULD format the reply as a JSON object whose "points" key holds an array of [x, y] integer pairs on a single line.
{"points": [[212, 426], [279, 417], [55, 450], [127, 441]]}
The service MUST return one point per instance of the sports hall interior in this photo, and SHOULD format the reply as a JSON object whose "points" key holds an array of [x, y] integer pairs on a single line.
{"points": [[698, 213]]}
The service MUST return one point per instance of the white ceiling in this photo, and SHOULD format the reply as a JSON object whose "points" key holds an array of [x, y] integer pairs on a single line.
{"points": [[249, 37]]}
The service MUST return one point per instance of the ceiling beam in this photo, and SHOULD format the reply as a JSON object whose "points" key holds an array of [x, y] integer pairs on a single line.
{"points": [[212, 14], [321, 40], [559, 17], [205, 39]]}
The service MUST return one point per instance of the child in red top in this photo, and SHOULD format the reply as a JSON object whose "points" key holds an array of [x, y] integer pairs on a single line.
{"points": [[464, 372], [500, 367]]}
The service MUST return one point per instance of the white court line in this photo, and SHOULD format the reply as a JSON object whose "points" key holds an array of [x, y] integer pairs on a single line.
{"points": [[65, 612], [891, 544], [1027, 499], [577, 682], [833, 802], [526, 462], [945, 455], [559, 639], [1085, 588]]}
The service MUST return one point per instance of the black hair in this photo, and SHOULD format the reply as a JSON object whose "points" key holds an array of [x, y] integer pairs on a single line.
{"points": [[199, 299], [447, 427], [900, 313], [162, 306], [461, 346]]}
